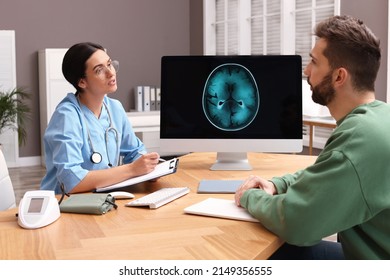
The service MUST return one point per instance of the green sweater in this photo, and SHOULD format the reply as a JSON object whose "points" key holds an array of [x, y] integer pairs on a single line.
{"points": [[346, 191]]}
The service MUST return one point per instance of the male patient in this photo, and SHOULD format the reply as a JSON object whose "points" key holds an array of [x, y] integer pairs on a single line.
{"points": [[347, 189]]}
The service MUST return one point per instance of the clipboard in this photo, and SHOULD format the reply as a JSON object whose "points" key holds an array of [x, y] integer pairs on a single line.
{"points": [[162, 169]]}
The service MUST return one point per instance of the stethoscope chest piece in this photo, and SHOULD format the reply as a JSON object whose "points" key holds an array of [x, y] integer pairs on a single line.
{"points": [[96, 157]]}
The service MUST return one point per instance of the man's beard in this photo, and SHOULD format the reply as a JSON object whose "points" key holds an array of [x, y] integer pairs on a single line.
{"points": [[324, 92]]}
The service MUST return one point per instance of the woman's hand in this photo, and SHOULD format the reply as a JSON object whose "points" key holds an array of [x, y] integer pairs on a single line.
{"points": [[146, 163]]}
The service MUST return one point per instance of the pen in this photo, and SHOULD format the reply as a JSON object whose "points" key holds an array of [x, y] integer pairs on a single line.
{"points": [[159, 159]]}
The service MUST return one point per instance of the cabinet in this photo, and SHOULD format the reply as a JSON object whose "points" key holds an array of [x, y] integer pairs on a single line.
{"points": [[9, 137], [146, 126], [52, 86]]}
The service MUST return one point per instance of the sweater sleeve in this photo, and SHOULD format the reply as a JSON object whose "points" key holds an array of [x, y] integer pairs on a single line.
{"points": [[282, 183], [311, 204]]}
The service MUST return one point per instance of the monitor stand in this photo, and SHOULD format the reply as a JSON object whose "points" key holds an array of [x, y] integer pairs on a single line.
{"points": [[231, 161]]}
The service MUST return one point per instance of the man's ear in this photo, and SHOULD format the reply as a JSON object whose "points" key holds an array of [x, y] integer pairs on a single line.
{"points": [[340, 76]]}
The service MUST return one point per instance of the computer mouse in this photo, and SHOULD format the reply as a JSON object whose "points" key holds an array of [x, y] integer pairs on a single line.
{"points": [[122, 195]]}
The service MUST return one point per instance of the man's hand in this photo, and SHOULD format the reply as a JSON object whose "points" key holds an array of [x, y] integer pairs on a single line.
{"points": [[253, 182]]}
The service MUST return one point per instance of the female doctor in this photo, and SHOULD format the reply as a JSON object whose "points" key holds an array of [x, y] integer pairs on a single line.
{"points": [[89, 131]]}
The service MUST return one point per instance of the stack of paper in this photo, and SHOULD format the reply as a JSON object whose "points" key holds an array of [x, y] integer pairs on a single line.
{"points": [[221, 208]]}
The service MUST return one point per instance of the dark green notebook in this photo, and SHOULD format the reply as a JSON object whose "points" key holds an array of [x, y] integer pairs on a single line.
{"points": [[219, 186]]}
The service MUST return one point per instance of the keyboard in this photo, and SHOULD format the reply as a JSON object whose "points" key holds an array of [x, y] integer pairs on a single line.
{"points": [[159, 198]]}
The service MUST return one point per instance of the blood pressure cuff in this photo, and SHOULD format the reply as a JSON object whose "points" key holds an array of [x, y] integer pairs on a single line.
{"points": [[91, 203]]}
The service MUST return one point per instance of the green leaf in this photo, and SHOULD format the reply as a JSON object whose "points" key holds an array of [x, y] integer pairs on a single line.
{"points": [[14, 113]]}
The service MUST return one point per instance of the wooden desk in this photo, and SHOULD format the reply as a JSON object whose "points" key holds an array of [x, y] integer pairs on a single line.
{"points": [[165, 233], [321, 122]]}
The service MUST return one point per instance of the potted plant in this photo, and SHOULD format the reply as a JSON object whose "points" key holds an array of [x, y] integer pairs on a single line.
{"points": [[14, 113]]}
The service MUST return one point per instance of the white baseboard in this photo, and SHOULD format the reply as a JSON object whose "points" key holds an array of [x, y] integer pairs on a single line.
{"points": [[27, 161]]}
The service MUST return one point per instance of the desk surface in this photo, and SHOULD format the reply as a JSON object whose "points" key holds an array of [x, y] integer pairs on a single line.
{"points": [[165, 233]]}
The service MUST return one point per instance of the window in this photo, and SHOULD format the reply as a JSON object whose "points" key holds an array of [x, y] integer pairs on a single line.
{"points": [[308, 13], [263, 26]]}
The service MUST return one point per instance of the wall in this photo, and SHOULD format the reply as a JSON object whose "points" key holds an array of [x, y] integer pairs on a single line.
{"points": [[135, 32], [374, 14], [196, 27]]}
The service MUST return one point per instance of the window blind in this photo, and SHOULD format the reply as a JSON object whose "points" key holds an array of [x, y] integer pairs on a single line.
{"points": [[307, 14], [268, 20], [226, 24], [265, 27]]}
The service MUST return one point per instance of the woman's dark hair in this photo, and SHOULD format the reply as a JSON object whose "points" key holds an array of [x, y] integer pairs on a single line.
{"points": [[352, 45], [74, 62]]}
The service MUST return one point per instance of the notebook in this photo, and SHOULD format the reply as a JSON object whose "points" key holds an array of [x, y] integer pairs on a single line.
{"points": [[162, 169], [219, 186], [220, 208]]}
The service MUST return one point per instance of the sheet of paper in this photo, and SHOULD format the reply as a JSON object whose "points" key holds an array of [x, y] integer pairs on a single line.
{"points": [[162, 169], [220, 208]]}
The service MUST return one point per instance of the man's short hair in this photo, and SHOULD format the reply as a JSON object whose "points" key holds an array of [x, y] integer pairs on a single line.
{"points": [[352, 45]]}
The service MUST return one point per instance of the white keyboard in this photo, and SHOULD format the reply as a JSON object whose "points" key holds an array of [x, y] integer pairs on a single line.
{"points": [[159, 198]]}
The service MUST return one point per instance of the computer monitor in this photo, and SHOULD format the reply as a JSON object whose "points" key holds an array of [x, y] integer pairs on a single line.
{"points": [[231, 105]]}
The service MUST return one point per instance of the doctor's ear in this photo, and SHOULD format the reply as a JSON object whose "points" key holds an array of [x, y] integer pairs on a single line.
{"points": [[82, 83]]}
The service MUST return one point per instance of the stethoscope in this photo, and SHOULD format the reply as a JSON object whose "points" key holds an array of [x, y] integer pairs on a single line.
{"points": [[96, 157]]}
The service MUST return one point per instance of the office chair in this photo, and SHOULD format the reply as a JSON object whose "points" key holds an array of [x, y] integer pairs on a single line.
{"points": [[7, 194]]}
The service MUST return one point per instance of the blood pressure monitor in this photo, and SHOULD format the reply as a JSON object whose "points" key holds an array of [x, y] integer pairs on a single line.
{"points": [[38, 209]]}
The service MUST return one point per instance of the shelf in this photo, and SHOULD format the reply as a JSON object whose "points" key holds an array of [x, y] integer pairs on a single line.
{"points": [[145, 121]]}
